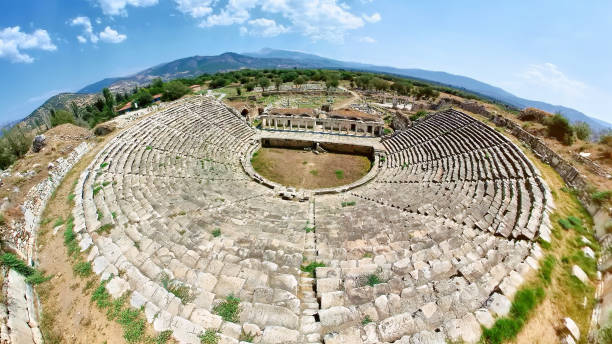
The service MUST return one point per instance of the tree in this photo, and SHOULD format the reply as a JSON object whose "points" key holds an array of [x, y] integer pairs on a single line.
{"points": [[238, 91], [250, 86], [299, 81], [218, 82], [582, 130], [143, 98], [174, 90], [331, 82], [263, 82], [277, 83], [157, 86]]}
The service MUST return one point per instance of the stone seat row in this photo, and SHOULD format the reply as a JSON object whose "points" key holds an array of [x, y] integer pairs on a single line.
{"points": [[434, 270]]}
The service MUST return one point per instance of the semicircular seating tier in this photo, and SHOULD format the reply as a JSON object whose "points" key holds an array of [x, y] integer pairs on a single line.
{"points": [[432, 248]]}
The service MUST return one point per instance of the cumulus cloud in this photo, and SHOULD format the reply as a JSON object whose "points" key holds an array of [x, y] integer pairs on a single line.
{"points": [[88, 32], [316, 19], [118, 7], [108, 35], [263, 27], [195, 8], [374, 18], [13, 41], [111, 36], [367, 39]]}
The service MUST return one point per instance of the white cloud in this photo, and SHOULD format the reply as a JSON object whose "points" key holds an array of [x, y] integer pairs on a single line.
{"points": [[108, 35], [87, 29], [264, 27], [374, 18], [316, 19], [549, 75], [195, 8], [111, 36], [118, 7], [12, 41], [367, 39]]}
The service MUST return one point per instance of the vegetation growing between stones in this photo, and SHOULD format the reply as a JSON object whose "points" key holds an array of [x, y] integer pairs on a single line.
{"points": [[311, 268], [209, 337], [228, 309], [348, 204], [176, 288], [32, 275]]}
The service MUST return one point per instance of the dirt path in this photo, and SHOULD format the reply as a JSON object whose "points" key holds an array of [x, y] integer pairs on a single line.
{"points": [[355, 97]]}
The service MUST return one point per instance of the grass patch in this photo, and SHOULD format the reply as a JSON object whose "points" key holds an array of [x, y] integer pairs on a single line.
{"points": [[228, 309], [246, 337], [507, 328], [339, 174], [71, 198], [82, 269], [373, 280], [314, 172], [366, 320], [348, 204], [310, 268], [97, 189], [216, 232], [58, 222], [103, 165], [309, 229], [565, 224], [105, 228], [209, 337], [546, 268], [149, 148], [601, 197], [178, 289]]}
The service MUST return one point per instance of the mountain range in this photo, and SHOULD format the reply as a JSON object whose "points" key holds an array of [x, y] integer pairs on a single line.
{"points": [[272, 58]]}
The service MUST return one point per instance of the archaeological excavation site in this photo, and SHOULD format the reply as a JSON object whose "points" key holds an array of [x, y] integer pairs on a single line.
{"points": [[308, 214]]}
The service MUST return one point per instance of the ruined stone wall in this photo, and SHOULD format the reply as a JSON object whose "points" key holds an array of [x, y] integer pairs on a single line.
{"points": [[400, 121]]}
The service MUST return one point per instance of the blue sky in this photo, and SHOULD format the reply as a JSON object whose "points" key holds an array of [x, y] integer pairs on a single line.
{"points": [[554, 51]]}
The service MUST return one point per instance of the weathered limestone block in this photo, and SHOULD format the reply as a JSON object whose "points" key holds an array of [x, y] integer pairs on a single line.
{"points": [[395, 327], [279, 335]]}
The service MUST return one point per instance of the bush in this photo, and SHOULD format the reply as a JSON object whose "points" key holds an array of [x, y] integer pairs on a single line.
{"points": [[582, 130], [14, 144], [59, 117], [228, 309], [534, 115], [178, 289], [559, 128]]}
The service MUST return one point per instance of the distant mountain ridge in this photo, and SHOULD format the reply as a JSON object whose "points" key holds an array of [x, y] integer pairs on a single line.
{"points": [[272, 58]]}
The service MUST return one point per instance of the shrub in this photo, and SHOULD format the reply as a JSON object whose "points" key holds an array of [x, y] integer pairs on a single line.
{"points": [[419, 114], [59, 117], [582, 130], [339, 174], [311, 268], [533, 114], [246, 337], [228, 309], [216, 232], [559, 128]]}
